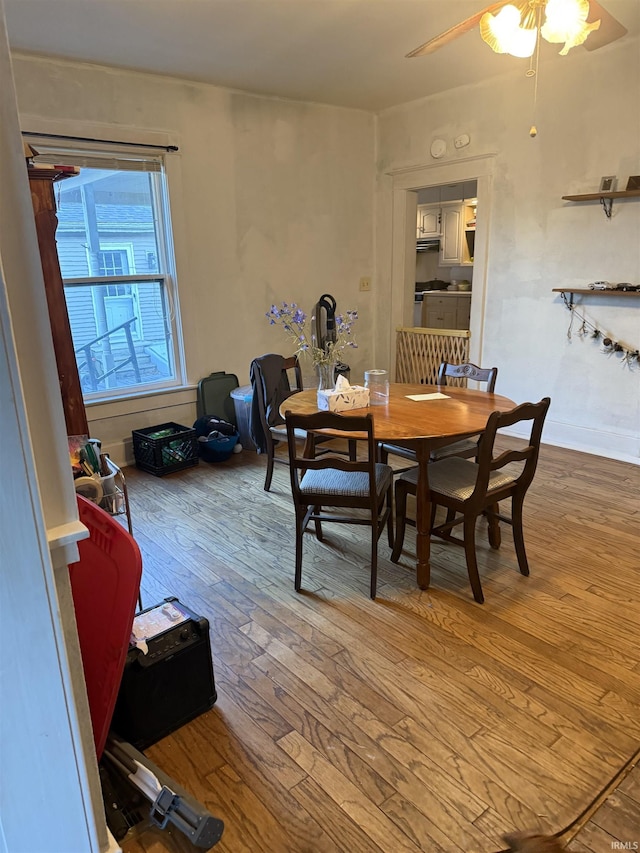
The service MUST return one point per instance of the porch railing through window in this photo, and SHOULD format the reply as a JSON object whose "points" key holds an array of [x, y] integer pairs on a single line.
{"points": [[88, 363]]}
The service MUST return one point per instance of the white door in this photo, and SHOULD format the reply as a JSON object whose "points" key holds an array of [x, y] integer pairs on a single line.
{"points": [[120, 305], [119, 309]]}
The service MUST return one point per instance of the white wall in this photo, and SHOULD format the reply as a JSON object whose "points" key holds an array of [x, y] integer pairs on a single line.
{"points": [[275, 200], [50, 796], [588, 126], [271, 201]]}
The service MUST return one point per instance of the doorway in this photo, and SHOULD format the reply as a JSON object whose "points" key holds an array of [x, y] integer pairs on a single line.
{"points": [[445, 248], [401, 197]]}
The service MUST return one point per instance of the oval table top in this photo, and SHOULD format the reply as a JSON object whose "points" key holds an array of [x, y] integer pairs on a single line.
{"points": [[463, 412]]}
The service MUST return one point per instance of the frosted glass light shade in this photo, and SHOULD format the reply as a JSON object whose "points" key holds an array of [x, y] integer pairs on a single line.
{"points": [[503, 33], [566, 21], [513, 30]]}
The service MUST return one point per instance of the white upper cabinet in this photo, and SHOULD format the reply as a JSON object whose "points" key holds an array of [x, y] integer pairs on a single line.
{"points": [[451, 242], [428, 224], [456, 243], [448, 213]]}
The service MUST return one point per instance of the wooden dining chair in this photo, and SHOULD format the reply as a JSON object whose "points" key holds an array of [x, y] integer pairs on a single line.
{"points": [[271, 385], [469, 489], [468, 370], [322, 485], [466, 447]]}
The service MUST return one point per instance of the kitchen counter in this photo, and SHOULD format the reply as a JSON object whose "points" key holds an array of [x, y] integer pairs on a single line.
{"points": [[444, 292], [446, 309]]}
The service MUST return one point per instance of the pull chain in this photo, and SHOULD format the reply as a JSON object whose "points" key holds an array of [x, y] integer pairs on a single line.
{"points": [[534, 64]]}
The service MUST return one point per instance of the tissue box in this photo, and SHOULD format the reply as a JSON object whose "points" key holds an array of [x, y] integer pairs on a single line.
{"points": [[353, 397]]}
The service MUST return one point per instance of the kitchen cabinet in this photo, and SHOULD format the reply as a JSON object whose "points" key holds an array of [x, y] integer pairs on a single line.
{"points": [[428, 224], [451, 242], [448, 310], [458, 234]]}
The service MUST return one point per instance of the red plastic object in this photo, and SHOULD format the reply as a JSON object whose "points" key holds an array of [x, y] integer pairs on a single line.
{"points": [[105, 583]]}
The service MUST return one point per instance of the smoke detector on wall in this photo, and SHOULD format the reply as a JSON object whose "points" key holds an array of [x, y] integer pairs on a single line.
{"points": [[438, 148]]}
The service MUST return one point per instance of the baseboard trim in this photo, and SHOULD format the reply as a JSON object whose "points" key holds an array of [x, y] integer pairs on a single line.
{"points": [[610, 445]]}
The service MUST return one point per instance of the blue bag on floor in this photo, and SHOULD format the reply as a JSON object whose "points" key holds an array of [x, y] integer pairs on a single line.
{"points": [[216, 438]]}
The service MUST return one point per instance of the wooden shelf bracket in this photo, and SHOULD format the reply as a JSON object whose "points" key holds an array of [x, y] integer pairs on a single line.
{"points": [[605, 199]]}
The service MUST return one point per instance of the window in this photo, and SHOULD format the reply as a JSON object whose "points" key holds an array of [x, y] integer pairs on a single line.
{"points": [[113, 263], [115, 250]]}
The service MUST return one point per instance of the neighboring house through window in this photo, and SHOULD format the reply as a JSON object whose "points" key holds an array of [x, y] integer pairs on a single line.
{"points": [[113, 262], [114, 245], [120, 300]]}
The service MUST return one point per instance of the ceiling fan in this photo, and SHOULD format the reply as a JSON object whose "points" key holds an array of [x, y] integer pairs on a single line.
{"points": [[511, 26]]}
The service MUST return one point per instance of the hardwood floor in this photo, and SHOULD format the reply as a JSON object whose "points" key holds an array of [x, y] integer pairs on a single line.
{"points": [[615, 824], [421, 721]]}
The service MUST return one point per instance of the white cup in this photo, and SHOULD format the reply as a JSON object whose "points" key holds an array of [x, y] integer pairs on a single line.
{"points": [[377, 381]]}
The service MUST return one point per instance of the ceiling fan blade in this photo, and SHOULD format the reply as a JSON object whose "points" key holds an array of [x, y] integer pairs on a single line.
{"points": [[455, 31], [610, 29]]}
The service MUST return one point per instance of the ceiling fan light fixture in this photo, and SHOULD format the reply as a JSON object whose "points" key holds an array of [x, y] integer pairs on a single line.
{"points": [[504, 34], [519, 25], [566, 21]]}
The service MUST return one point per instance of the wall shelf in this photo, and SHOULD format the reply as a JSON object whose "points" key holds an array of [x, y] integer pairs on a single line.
{"points": [[589, 292], [595, 292], [605, 199]]}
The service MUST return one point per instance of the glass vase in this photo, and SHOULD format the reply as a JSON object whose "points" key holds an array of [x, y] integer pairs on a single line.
{"points": [[326, 377]]}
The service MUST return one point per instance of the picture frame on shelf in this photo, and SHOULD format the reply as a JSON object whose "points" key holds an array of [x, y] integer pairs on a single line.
{"points": [[633, 183], [608, 184]]}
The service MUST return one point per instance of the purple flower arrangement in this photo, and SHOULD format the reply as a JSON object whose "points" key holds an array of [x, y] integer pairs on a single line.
{"points": [[294, 321]]}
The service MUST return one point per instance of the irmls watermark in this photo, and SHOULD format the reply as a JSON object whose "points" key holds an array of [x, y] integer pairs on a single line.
{"points": [[625, 845]]}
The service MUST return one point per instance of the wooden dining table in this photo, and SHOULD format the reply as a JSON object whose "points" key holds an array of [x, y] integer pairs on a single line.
{"points": [[423, 425]]}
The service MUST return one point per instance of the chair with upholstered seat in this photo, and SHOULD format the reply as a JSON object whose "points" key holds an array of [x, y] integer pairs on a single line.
{"points": [[466, 447], [271, 384], [320, 486], [469, 489]]}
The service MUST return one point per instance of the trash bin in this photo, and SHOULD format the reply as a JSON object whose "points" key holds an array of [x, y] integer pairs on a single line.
{"points": [[242, 398]]}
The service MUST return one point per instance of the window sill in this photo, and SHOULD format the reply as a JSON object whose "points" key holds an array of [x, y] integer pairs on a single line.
{"points": [[142, 401]]}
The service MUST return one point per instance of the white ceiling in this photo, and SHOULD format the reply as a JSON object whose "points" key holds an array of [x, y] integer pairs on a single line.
{"points": [[345, 52]]}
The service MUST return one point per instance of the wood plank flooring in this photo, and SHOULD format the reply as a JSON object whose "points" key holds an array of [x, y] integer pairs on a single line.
{"points": [[615, 824], [421, 721]]}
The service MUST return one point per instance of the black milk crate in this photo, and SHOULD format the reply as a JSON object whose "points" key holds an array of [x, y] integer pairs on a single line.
{"points": [[165, 448]]}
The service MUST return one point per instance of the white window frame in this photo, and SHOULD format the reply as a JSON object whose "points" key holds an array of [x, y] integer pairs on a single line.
{"points": [[103, 155]]}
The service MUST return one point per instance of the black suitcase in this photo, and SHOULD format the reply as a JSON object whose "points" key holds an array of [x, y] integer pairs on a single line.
{"points": [[172, 683], [214, 396]]}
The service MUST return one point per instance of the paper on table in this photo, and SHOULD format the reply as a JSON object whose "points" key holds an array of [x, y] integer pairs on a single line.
{"points": [[435, 396]]}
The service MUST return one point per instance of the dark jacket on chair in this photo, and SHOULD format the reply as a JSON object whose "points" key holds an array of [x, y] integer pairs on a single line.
{"points": [[270, 381]]}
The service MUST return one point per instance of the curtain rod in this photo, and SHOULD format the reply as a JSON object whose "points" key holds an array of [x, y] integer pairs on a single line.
{"points": [[99, 141]]}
